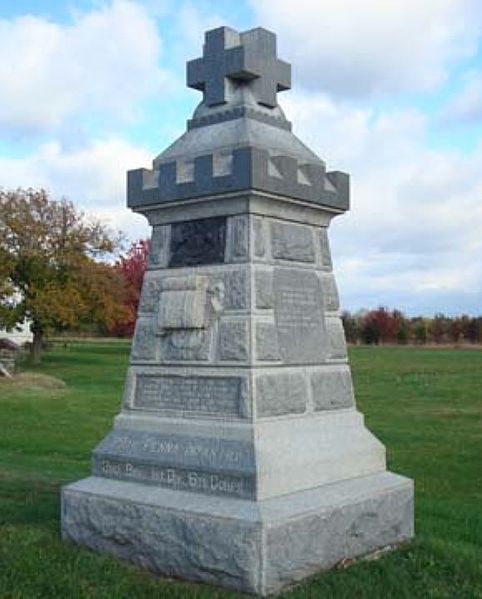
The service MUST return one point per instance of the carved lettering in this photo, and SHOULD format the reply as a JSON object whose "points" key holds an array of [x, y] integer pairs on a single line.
{"points": [[299, 317], [198, 395], [176, 478]]}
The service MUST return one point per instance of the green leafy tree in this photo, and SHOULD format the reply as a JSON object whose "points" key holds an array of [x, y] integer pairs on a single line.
{"points": [[51, 268]]}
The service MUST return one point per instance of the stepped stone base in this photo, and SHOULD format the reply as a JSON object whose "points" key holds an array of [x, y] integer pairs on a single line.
{"points": [[254, 547]]}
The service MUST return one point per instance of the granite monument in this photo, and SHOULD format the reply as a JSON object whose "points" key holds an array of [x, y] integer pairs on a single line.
{"points": [[239, 457]]}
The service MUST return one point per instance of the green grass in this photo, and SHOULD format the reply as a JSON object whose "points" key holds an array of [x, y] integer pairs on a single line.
{"points": [[424, 404]]}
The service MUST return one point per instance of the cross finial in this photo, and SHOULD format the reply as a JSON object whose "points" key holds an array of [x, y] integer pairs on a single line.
{"points": [[231, 58]]}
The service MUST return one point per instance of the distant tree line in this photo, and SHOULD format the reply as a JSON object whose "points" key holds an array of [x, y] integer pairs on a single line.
{"points": [[65, 273], [374, 327]]}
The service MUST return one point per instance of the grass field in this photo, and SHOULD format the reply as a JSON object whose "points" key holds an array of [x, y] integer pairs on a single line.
{"points": [[425, 405]]}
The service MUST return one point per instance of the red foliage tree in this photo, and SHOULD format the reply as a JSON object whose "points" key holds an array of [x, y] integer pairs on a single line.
{"points": [[131, 267], [381, 326]]}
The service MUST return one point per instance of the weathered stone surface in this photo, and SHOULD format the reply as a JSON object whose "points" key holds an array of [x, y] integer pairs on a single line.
{"points": [[175, 450], [259, 232], [325, 248], [215, 466], [331, 388], [222, 540], [267, 342], [144, 344], [233, 340], [236, 289], [231, 283], [239, 238], [150, 293], [197, 481], [267, 75], [380, 516], [298, 314], [263, 282], [190, 395], [336, 338], [159, 246], [292, 242], [162, 530], [187, 345], [330, 292], [281, 482], [198, 242], [278, 394], [183, 303]]}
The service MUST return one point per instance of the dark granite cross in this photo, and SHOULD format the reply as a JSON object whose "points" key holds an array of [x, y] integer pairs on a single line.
{"points": [[248, 57]]}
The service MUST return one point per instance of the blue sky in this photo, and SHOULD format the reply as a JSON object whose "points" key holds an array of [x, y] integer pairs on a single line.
{"points": [[387, 90]]}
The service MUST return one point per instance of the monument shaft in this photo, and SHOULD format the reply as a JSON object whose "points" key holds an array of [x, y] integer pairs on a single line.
{"points": [[239, 457]]}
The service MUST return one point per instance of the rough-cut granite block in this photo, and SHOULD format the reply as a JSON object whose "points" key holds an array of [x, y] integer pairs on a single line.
{"points": [[325, 248], [238, 227], [292, 242], [331, 388], [263, 284], [144, 344], [266, 342], [253, 547], [336, 338], [233, 340], [282, 393]]}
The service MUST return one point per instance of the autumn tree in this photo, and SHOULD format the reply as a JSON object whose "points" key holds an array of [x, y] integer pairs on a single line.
{"points": [[52, 266], [131, 268]]}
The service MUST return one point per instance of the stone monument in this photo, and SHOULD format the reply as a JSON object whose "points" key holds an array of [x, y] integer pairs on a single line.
{"points": [[239, 457]]}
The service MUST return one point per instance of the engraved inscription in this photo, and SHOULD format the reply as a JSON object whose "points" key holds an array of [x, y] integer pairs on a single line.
{"points": [[176, 478], [299, 317], [199, 395], [195, 453], [198, 242]]}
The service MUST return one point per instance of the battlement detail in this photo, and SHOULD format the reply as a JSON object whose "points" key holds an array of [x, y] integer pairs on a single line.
{"points": [[242, 169]]}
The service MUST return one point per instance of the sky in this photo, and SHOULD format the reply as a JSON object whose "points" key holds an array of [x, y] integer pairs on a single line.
{"points": [[389, 91]]}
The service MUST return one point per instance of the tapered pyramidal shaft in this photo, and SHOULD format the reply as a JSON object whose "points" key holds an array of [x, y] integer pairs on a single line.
{"points": [[239, 457]]}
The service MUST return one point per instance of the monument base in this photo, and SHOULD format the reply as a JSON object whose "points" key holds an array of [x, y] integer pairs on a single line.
{"points": [[254, 547]]}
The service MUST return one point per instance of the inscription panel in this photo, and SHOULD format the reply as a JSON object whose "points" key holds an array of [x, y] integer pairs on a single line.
{"points": [[191, 395], [197, 242], [177, 478], [299, 316], [201, 453], [215, 466]]}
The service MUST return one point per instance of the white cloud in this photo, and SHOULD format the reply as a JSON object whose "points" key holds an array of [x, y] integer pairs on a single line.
{"points": [[413, 236], [103, 63], [93, 177], [466, 105], [355, 48]]}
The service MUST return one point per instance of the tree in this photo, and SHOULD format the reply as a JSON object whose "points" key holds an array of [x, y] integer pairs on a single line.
{"points": [[420, 330], [381, 325], [350, 326], [50, 266], [131, 268]]}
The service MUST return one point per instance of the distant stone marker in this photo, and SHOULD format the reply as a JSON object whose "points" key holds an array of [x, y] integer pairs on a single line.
{"points": [[239, 457]]}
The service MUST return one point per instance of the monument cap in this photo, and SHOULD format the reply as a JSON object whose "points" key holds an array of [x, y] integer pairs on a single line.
{"points": [[238, 139]]}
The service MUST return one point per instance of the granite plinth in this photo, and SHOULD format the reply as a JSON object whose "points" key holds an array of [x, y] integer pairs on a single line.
{"points": [[254, 547]]}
